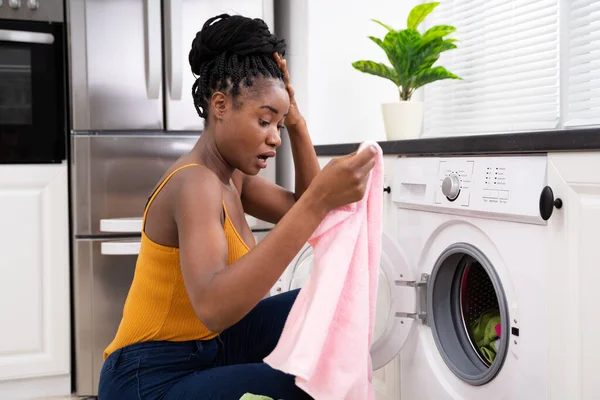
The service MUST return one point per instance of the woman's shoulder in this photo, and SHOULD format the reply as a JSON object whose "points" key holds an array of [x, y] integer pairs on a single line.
{"points": [[197, 177], [198, 185]]}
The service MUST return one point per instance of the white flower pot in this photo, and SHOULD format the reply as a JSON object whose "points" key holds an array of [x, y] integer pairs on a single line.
{"points": [[403, 120]]}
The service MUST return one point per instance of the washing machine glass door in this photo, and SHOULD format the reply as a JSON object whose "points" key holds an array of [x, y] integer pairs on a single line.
{"points": [[396, 304], [300, 270], [396, 294]]}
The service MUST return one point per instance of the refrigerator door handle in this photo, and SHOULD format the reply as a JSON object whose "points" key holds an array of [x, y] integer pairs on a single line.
{"points": [[121, 225], [153, 57], [120, 248], [173, 35]]}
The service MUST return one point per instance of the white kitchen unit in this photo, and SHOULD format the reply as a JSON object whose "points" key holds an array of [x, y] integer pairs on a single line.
{"points": [[34, 281], [575, 180]]}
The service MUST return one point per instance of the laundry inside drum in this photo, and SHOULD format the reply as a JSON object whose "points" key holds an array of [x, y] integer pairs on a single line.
{"points": [[480, 311], [467, 311]]}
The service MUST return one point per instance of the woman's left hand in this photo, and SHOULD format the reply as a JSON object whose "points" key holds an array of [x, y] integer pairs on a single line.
{"points": [[294, 118]]}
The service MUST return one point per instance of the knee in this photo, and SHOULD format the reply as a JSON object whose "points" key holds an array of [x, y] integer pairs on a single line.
{"points": [[289, 298]]}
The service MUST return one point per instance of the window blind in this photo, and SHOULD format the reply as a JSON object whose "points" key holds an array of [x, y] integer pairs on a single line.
{"points": [[583, 65], [508, 57]]}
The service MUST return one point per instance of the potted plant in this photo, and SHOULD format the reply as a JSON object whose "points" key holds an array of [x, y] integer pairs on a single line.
{"points": [[412, 56]]}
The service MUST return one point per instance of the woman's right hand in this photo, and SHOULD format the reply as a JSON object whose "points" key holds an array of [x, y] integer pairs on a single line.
{"points": [[344, 179]]}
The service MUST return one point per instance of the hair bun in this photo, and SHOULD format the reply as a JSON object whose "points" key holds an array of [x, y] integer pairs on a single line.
{"points": [[234, 34]]}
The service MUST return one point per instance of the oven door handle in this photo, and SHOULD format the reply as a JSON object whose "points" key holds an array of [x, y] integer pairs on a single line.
{"points": [[26, 37]]}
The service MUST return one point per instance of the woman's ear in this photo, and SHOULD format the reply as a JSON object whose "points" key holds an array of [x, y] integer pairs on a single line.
{"points": [[219, 104]]}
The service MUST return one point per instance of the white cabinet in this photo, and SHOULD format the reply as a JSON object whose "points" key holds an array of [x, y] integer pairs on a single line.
{"points": [[34, 281], [574, 287]]}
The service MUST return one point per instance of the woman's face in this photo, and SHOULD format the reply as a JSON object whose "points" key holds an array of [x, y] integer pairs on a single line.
{"points": [[248, 130]]}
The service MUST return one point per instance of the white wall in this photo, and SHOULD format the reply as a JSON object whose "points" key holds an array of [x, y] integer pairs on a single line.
{"points": [[341, 104], [324, 37]]}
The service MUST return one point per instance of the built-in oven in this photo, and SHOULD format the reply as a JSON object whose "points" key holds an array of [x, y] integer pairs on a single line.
{"points": [[33, 102]]}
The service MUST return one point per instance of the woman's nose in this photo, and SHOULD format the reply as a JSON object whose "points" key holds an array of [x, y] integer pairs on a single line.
{"points": [[274, 138]]}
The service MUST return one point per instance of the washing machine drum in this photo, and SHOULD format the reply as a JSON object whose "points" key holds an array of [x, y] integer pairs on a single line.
{"points": [[383, 350]]}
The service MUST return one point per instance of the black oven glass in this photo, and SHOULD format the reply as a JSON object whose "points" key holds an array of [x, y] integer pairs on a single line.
{"points": [[33, 110]]}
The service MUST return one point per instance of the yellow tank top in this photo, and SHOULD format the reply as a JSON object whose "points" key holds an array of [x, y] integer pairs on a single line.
{"points": [[157, 306]]}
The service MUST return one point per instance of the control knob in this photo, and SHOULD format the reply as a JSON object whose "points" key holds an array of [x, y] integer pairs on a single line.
{"points": [[33, 4], [14, 3], [451, 187]]}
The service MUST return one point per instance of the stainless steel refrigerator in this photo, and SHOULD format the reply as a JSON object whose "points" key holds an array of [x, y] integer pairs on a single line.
{"points": [[129, 60], [132, 116]]}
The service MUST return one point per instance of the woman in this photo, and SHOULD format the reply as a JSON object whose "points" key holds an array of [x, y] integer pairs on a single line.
{"points": [[194, 325]]}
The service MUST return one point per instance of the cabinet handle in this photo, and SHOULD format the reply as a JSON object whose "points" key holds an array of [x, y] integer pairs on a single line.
{"points": [[548, 202], [387, 189]]}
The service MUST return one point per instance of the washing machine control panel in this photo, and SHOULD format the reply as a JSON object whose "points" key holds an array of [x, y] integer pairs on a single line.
{"points": [[504, 185]]}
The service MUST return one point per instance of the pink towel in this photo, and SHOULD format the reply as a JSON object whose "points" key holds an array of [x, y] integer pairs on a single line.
{"points": [[326, 340]]}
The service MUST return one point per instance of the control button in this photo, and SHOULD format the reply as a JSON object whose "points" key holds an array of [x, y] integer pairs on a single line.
{"points": [[451, 187], [490, 193], [33, 4], [503, 195], [14, 3]]}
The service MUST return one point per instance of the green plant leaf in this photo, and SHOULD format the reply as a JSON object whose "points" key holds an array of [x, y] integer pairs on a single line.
{"points": [[377, 69], [382, 24], [438, 31], [418, 14], [430, 52], [378, 41], [431, 75], [402, 47]]}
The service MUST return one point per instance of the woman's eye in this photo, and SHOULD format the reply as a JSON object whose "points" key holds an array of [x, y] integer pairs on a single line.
{"points": [[280, 127], [263, 123]]}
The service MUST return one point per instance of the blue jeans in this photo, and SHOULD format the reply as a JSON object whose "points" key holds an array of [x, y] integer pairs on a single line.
{"points": [[222, 368]]}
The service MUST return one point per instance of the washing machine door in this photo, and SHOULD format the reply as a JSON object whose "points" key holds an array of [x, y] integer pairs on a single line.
{"points": [[396, 295], [396, 304]]}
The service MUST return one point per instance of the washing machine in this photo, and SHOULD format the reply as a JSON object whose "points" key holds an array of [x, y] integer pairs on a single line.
{"points": [[462, 303], [471, 291]]}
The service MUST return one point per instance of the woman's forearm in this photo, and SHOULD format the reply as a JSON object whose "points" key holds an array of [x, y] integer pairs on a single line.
{"points": [[306, 165]]}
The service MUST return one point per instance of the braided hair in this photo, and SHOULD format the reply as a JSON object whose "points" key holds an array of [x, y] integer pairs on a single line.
{"points": [[229, 51]]}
